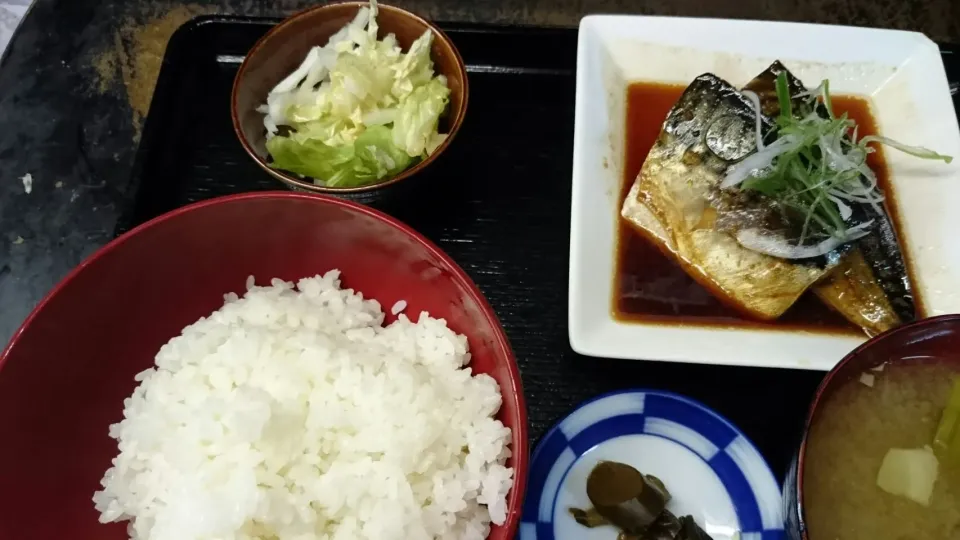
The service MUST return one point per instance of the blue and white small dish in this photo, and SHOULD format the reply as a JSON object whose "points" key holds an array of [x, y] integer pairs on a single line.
{"points": [[713, 472]]}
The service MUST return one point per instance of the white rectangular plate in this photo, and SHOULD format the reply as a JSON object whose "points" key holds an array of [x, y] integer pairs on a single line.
{"points": [[900, 72]]}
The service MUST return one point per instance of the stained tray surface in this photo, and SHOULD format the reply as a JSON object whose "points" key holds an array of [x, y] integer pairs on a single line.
{"points": [[498, 201]]}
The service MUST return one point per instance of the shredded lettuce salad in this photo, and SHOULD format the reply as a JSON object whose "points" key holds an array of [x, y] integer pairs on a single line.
{"points": [[358, 110]]}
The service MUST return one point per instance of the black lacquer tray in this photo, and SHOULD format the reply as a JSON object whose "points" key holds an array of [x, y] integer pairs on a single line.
{"points": [[498, 201]]}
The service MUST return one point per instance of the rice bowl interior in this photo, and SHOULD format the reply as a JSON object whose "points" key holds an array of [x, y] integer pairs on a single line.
{"points": [[292, 412]]}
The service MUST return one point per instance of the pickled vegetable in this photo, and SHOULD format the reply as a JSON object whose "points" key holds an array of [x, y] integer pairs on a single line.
{"points": [[635, 503], [589, 518], [689, 530], [625, 497]]}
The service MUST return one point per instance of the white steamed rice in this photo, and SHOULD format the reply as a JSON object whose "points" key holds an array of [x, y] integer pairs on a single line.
{"points": [[293, 414]]}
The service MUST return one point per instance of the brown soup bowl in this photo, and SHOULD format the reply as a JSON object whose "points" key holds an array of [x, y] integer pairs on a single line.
{"points": [[935, 339], [284, 47]]}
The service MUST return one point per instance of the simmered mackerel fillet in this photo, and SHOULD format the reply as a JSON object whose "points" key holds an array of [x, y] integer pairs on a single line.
{"points": [[677, 203]]}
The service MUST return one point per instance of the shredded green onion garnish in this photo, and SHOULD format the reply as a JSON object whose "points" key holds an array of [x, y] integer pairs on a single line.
{"points": [[816, 168], [947, 440], [827, 102], [783, 96]]}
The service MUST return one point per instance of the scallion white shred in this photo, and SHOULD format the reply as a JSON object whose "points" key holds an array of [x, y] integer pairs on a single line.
{"points": [[758, 113]]}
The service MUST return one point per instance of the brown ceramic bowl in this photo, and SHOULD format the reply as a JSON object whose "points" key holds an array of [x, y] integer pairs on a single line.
{"points": [[936, 339], [284, 47]]}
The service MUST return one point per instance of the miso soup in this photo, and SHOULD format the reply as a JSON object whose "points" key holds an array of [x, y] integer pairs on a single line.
{"points": [[898, 407]]}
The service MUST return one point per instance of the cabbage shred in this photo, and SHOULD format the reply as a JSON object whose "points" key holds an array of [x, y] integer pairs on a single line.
{"points": [[358, 110]]}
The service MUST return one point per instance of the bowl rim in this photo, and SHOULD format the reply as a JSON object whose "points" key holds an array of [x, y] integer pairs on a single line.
{"points": [[296, 183], [519, 444], [818, 397]]}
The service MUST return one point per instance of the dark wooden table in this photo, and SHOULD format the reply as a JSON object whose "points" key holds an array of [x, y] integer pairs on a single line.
{"points": [[78, 76]]}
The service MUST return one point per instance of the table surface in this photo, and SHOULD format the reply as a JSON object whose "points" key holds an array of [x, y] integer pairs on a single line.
{"points": [[77, 77]]}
